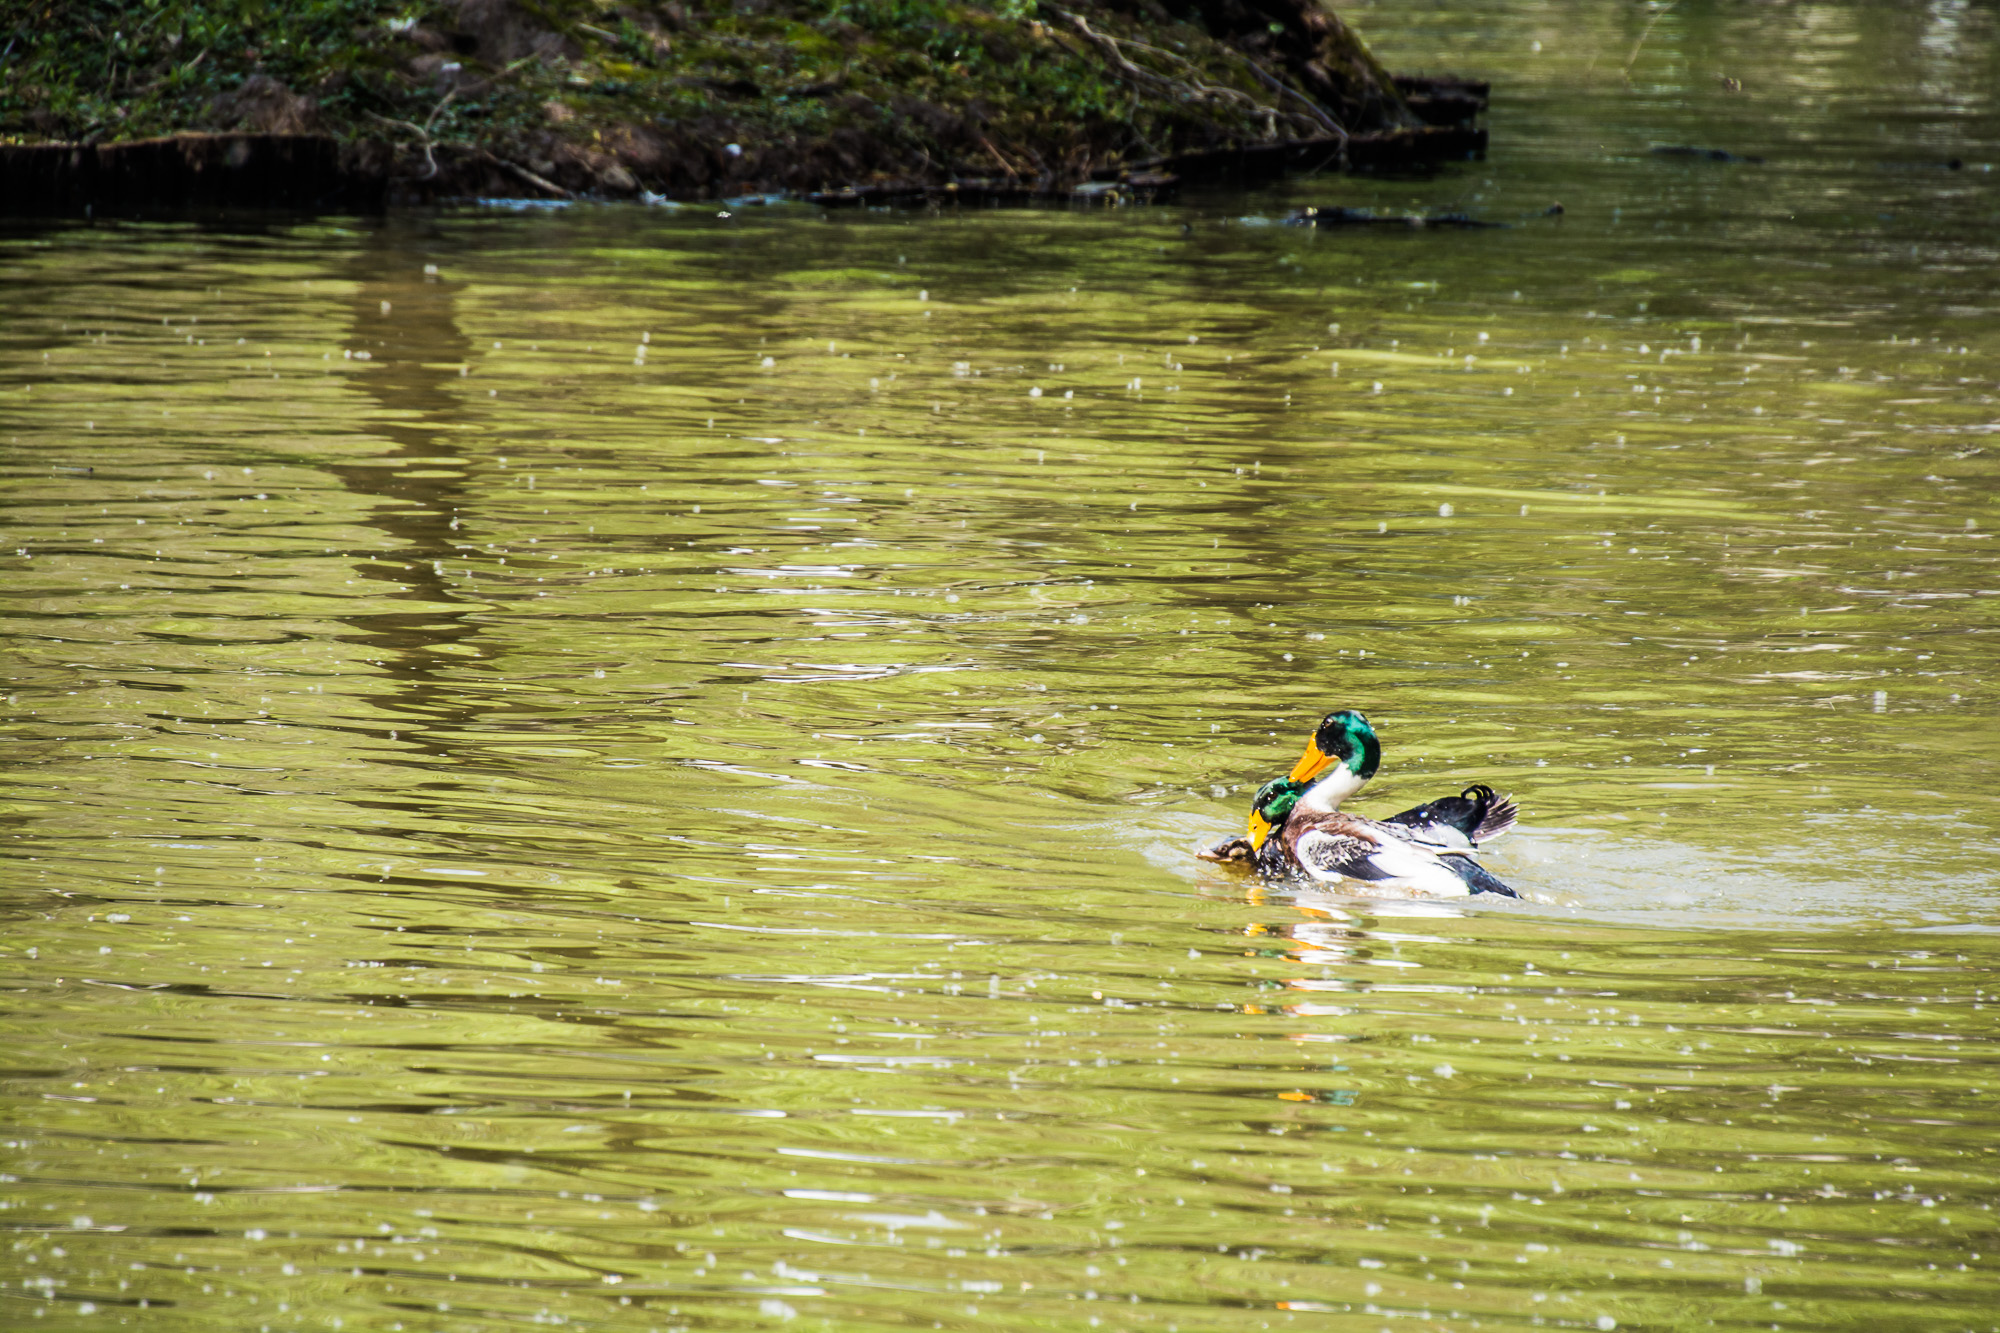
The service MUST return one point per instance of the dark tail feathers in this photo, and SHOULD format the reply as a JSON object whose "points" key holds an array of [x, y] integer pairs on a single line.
{"points": [[1496, 812], [1477, 812], [1477, 878]]}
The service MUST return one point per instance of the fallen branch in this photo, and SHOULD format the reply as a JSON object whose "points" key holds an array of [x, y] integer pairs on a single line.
{"points": [[1212, 90], [1313, 108], [1005, 165], [1110, 47], [424, 141], [423, 131], [1193, 87], [428, 143], [539, 182]]}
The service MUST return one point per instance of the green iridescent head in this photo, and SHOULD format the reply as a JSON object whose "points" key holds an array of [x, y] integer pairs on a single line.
{"points": [[1345, 738], [1276, 798], [1274, 801]]}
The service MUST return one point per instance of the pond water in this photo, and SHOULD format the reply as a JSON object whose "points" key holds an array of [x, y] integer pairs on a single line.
{"points": [[772, 671]]}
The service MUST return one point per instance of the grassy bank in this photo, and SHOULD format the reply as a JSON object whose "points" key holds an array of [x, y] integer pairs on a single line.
{"points": [[692, 97]]}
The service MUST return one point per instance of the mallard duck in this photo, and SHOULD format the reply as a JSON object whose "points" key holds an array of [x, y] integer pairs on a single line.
{"points": [[1342, 738], [1343, 753], [1425, 849]]}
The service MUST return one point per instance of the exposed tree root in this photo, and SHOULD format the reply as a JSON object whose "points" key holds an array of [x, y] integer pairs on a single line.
{"points": [[1192, 88]]}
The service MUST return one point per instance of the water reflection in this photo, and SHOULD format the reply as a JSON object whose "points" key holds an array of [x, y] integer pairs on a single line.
{"points": [[646, 777], [403, 318]]}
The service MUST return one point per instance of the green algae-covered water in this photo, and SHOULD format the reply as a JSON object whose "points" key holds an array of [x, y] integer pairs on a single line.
{"points": [[638, 769]]}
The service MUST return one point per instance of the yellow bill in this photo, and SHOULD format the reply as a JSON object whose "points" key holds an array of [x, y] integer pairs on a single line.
{"points": [[1311, 764]]}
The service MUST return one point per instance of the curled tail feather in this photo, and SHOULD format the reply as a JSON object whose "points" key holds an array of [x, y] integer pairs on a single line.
{"points": [[1498, 815]]}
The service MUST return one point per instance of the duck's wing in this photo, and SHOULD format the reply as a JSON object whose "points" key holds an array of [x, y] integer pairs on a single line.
{"points": [[1363, 850], [1343, 846], [1473, 816], [1333, 853]]}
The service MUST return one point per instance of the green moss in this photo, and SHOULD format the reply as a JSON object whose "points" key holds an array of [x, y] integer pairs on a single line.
{"points": [[118, 69]]}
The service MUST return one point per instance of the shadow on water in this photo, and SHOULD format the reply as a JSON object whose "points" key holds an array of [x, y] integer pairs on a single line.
{"points": [[404, 318]]}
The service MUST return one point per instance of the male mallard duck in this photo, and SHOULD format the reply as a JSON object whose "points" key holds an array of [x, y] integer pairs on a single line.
{"points": [[1343, 753], [1342, 738], [1427, 849]]}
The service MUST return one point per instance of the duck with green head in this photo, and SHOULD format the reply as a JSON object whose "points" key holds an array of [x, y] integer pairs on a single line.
{"points": [[1296, 824], [1341, 755]]}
